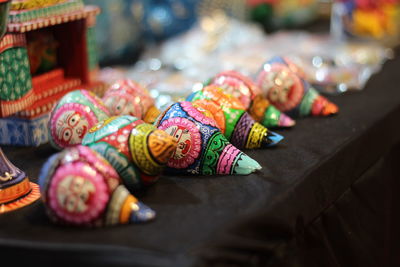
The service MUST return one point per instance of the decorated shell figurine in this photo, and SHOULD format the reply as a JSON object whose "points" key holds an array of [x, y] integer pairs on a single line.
{"points": [[16, 191], [232, 119], [127, 97], [80, 188], [290, 93], [202, 148], [250, 95], [73, 116], [138, 151]]}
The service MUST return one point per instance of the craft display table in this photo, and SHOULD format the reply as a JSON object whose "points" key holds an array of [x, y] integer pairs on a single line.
{"points": [[326, 196]]}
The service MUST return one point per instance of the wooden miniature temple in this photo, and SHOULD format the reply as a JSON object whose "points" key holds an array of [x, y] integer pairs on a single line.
{"points": [[47, 51]]}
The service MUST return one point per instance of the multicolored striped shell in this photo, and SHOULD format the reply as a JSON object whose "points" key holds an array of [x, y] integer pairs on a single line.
{"points": [[250, 95], [202, 148], [137, 150], [232, 119]]}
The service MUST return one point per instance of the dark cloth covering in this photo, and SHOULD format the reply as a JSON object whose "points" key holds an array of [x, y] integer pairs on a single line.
{"points": [[327, 196]]}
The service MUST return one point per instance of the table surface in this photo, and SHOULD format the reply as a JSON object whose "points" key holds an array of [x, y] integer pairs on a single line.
{"points": [[316, 162]]}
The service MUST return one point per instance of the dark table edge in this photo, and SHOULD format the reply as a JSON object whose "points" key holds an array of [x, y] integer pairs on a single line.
{"points": [[60, 254]]}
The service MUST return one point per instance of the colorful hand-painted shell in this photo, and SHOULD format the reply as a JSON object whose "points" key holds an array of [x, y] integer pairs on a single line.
{"points": [[73, 116], [283, 88], [219, 95], [137, 150], [202, 148], [215, 111], [79, 187], [127, 97], [250, 95], [199, 114], [237, 125], [290, 93], [237, 85]]}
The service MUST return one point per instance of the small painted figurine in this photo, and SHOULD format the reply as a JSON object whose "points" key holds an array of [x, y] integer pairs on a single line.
{"points": [[232, 119], [127, 97], [250, 95], [73, 116], [290, 93], [138, 151], [202, 148], [16, 191], [80, 188]]}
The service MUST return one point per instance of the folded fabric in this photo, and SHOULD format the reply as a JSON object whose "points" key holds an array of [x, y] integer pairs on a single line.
{"points": [[202, 148]]}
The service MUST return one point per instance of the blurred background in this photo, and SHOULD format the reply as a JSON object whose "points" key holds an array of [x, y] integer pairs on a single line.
{"points": [[126, 27], [170, 46]]}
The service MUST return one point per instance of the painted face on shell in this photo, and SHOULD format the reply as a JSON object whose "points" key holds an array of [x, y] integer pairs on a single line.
{"points": [[283, 88], [120, 106], [71, 127], [280, 85], [74, 193], [183, 138]]}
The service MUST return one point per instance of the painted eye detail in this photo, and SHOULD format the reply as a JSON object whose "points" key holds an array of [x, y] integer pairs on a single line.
{"points": [[178, 134], [67, 134], [74, 120], [119, 105], [274, 95], [171, 131]]}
